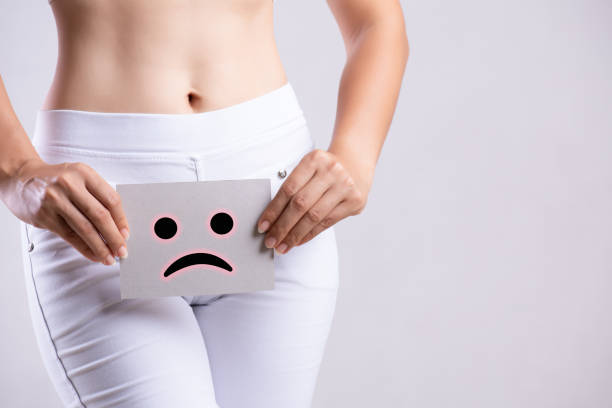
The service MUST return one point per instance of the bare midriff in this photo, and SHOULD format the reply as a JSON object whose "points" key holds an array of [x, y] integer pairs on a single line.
{"points": [[160, 56]]}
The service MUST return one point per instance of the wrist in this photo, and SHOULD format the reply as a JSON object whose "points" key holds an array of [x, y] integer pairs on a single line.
{"points": [[11, 168], [359, 165], [16, 150]]}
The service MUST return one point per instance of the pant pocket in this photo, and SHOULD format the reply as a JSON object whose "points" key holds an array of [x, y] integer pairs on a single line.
{"points": [[279, 171]]}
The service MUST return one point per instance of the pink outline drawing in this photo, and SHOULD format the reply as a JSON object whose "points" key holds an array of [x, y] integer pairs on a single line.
{"points": [[162, 215], [206, 266], [225, 210]]}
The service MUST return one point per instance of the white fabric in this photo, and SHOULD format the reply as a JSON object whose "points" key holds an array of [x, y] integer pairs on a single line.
{"points": [[257, 349]]}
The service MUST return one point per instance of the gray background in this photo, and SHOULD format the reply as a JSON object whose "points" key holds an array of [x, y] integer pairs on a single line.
{"points": [[488, 226]]}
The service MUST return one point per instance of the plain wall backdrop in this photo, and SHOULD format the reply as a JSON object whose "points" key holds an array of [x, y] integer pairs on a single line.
{"points": [[480, 272]]}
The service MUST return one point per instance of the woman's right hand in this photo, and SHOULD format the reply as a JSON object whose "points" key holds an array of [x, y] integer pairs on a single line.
{"points": [[75, 202]]}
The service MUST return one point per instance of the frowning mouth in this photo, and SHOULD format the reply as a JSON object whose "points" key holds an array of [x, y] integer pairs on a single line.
{"points": [[197, 258]]}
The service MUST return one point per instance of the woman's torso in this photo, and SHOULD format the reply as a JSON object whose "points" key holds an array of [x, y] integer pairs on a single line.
{"points": [[159, 56]]}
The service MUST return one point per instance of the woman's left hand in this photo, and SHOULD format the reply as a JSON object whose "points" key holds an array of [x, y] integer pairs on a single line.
{"points": [[319, 192]]}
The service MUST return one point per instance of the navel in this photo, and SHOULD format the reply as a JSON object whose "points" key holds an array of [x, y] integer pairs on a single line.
{"points": [[191, 97]]}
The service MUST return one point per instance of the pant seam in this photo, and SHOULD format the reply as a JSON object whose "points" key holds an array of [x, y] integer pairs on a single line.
{"points": [[47, 325], [209, 302], [127, 156], [197, 165]]}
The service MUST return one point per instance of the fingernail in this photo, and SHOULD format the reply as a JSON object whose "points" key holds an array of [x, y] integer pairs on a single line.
{"points": [[123, 252], [109, 260], [282, 248], [270, 242], [263, 227], [125, 233]]}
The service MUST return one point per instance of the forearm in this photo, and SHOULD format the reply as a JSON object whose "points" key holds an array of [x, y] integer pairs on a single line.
{"points": [[15, 146], [368, 92]]}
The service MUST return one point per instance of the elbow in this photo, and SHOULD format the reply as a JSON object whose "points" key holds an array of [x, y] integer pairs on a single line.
{"points": [[404, 47], [394, 22], [393, 30], [395, 33], [381, 24], [399, 31]]}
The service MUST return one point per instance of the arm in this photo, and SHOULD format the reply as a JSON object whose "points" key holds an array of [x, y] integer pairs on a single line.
{"points": [[327, 186], [15, 146], [377, 52], [70, 199]]}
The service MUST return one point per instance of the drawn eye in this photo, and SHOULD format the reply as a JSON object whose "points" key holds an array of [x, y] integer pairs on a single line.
{"points": [[165, 228], [221, 223]]}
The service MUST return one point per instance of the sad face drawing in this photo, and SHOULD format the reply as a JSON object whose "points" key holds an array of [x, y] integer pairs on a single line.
{"points": [[195, 238], [221, 224]]}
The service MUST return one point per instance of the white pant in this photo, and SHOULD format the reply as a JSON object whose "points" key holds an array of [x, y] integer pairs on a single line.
{"points": [[247, 350]]}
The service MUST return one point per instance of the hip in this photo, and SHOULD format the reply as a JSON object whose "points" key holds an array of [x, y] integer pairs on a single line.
{"points": [[264, 137]]}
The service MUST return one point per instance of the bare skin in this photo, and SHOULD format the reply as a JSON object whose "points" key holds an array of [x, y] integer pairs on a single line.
{"points": [[187, 57]]}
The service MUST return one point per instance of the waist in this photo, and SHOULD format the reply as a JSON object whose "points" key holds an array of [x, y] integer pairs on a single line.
{"points": [[159, 56], [272, 114], [177, 87]]}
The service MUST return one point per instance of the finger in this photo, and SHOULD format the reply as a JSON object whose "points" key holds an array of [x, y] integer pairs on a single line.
{"points": [[333, 217], [61, 228], [110, 199], [300, 175], [297, 206], [85, 229], [330, 199], [101, 218]]}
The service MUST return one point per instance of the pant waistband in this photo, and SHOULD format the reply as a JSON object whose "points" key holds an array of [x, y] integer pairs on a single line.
{"points": [[237, 124]]}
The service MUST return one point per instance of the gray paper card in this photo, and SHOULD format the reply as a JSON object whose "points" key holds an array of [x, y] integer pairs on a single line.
{"points": [[195, 238]]}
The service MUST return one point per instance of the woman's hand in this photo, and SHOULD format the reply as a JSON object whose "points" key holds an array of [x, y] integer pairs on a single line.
{"points": [[319, 192], [75, 202]]}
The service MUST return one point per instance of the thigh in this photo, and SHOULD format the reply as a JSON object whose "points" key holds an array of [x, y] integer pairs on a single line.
{"points": [[101, 351], [265, 347]]}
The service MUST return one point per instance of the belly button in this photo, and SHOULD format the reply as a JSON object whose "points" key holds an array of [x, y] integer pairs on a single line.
{"points": [[192, 98]]}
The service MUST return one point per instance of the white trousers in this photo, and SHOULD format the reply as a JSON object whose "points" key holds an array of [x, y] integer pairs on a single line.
{"points": [[245, 350]]}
